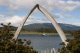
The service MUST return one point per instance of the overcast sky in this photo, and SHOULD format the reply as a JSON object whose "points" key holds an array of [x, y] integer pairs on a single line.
{"points": [[64, 11]]}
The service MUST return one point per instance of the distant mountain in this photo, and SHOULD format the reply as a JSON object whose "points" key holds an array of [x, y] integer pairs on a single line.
{"points": [[46, 27], [50, 26], [69, 27]]}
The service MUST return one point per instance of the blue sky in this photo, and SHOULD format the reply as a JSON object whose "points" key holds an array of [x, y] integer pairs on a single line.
{"points": [[64, 11]]}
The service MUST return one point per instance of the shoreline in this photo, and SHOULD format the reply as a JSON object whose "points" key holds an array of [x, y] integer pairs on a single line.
{"points": [[39, 33]]}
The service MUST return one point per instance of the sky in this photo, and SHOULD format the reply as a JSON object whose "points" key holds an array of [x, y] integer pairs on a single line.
{"points": [[63, 11]]}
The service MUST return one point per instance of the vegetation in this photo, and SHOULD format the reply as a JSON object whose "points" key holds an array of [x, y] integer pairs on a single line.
{"points": [[73, 45], [7, 45]]}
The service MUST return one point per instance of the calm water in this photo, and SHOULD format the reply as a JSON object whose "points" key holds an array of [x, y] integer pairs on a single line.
{"points": [[40, 42]]}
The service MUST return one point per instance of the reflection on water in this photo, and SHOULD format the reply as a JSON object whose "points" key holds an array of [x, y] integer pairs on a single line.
{"points": [[40, 42]]}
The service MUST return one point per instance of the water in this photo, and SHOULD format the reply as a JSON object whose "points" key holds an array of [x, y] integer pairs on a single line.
{"points": [[40, 42]]}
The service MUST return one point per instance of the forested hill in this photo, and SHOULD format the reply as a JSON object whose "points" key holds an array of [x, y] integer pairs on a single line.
{"points": [[47, 27]]}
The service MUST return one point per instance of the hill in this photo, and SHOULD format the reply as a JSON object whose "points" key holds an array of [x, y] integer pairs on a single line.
{"points": [[50, 26], [46, 27]]}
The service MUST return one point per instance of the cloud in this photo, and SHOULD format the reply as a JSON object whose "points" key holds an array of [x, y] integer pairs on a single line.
{"points": [[68, 19], [16, 4], [21, 4], [64, 5], [27, 4], [14, 20], [17, 20]]}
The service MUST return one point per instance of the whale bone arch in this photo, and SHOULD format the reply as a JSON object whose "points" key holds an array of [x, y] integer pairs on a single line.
{"points": [[49, 16]]}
